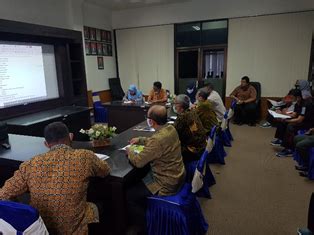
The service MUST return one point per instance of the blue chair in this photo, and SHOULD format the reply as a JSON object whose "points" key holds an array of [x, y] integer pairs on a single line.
{"points": [[218, 153], [225, 132], [311, 166], [100, 112], [179, 214], [17, 218], [203, 167]]}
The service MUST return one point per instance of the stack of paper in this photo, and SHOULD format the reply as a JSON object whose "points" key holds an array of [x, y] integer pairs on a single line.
{"points": [[145, 128], [278, 115], [276, 103], [102, 156]]}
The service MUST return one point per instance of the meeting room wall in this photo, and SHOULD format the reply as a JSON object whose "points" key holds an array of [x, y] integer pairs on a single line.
{"points": [[53, 13], [274, 50], [69, 14], [146, 55], [196, 10], [97, 79]]}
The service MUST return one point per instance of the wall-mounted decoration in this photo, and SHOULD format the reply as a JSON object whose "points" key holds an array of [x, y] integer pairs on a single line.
{"points": [[93, 47], [92, 34], [87, 48], [86, 33], [100, 62], [97, 41]]}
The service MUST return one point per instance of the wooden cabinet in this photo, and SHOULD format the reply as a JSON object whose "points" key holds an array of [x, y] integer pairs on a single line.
{"points": [[33, 124]]}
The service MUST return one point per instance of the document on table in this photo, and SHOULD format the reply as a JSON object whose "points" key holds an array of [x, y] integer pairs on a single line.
{"points": [[276, 103], [127, 102], [144, 128], [278, 115], [125, 147], [102, 156], [136, 148]]}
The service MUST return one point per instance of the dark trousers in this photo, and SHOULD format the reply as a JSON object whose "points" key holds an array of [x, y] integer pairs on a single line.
{"points": [[188, 156], [137, 204], [287, 132], [302, 144], [245, 113]]}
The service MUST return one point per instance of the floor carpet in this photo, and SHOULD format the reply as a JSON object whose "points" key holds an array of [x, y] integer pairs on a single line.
{"points": [[256, 192]]}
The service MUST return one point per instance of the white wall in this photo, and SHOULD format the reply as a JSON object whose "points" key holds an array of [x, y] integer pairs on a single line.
{"points": [[97, 80], [203, 10], [146, 55], [49, 12], [274, 50], [69, 14]]}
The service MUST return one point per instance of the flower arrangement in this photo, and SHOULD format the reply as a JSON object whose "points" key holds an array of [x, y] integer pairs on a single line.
{"points": [[99, 132], [171, 98]]}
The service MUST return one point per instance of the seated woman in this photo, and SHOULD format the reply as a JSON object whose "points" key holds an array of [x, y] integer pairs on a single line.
{"points": [[191, 132], [133, 94], [245, 95], [205, 111], [301, 119]]}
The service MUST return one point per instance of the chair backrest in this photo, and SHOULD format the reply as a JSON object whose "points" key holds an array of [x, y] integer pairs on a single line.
{"points": [[117, 92], [257, 87], [17, 218], [310, 223], [211, 139]]}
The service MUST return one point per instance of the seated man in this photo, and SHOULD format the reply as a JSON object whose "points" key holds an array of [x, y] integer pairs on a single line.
{"points": [[167, 173], [204, 110], [301, 119], [157, 94], [245, 95], [57, 182], [133, 94], [216, 101], [190, 129], [302, 144]]}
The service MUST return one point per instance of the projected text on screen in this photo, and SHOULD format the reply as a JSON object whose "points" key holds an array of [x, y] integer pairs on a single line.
{"points": [[22, 76]]}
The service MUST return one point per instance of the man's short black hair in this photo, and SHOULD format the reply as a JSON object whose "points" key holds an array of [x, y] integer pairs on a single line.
{"points": [[56, 131], [158, 85], [246, 78], [160, 119], [203, 94], [295, 93]]}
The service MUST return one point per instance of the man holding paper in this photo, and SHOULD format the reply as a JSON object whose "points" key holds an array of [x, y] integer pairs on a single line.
{"points": [[167, 173], [301, 119]]}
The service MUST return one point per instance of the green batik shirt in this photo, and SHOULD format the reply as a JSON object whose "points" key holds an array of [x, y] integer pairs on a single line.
{"points": [[204, 110]]}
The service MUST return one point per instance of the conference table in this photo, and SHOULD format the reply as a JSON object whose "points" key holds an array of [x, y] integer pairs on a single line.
{"points": [[111, 188], [124, 115]]}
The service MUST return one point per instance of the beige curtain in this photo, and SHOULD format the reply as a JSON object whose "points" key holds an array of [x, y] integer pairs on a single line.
{"points": [[146, 55]]}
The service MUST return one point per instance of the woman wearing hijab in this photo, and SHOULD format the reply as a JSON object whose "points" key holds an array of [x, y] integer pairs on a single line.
{"points": [[134, 94], [304, 87]]}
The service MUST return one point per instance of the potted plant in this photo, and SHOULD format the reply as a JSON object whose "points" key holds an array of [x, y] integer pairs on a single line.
{"points": [[100, 134]]}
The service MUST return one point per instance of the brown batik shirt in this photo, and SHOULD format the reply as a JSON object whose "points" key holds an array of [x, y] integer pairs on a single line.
{"points": [[57, 182], [191, 132]]}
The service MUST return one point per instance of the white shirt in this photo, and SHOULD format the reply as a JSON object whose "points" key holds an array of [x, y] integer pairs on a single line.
{"points": [[218, 105]]}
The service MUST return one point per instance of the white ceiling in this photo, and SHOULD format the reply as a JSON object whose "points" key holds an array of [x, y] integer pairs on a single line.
{"points": [[128, 4]]}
